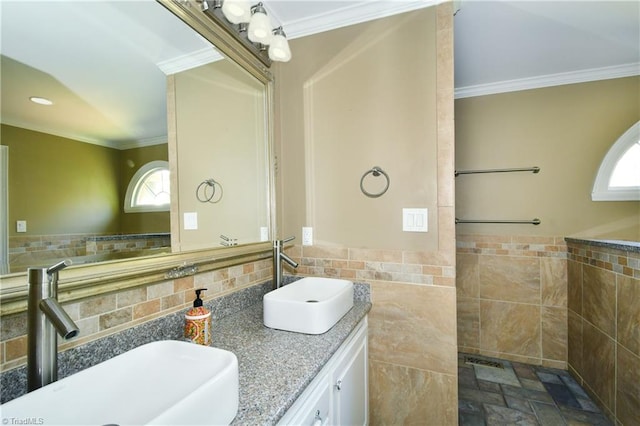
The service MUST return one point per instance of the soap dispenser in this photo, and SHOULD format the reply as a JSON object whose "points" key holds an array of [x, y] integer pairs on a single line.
{"points": [[197, 326]]}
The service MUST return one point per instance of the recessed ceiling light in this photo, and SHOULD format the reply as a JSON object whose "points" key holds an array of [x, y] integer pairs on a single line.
{"points": [[41, 101]]}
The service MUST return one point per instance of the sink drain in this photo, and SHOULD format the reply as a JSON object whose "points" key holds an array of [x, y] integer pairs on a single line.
{"points": [[480, 361], [312, 301]]}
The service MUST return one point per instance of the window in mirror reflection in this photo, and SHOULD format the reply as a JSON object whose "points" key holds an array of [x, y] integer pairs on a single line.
{"points": [[148, 189]]}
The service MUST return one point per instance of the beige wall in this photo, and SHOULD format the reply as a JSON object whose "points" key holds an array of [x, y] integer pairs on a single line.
{"points": [[63, 186], [379, 94], [566, 131], [59, 185], [219, 120]]}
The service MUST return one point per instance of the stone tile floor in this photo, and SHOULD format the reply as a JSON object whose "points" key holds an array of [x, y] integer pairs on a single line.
{"points": [[521, 394]]}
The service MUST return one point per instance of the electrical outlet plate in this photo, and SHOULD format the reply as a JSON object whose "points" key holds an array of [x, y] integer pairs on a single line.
{"points": [[191, 221], [21, 226], [307, 236]]}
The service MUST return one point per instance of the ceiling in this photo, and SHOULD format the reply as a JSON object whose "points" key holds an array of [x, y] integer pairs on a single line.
{"points": [[500, 46]]}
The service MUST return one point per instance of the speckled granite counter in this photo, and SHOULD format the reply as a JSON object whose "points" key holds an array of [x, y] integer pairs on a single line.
{"points": [[276, 366], [632, 246]]}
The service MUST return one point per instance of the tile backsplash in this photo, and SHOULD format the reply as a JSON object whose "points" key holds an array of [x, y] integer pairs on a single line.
{"points": [[110, 313]]}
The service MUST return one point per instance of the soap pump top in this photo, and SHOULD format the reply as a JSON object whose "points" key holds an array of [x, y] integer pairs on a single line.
{"points": [[198, 302]]}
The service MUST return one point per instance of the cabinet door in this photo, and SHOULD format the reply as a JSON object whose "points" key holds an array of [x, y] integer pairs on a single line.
{"points": [[313, 408], [350, 390]]}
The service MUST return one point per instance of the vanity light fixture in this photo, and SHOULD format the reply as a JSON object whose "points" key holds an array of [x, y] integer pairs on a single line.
{"points": [[41, 101], [251, 26], [259, 30], [236, 11], [279, 47]]}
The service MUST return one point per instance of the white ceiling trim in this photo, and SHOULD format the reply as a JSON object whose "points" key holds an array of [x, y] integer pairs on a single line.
{"points": [[158, 140], [582, 76], [353, 14], [190, 60]]}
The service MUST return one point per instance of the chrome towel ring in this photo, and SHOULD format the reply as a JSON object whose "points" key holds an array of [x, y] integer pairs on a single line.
{"points": [[375, 171], [204, 187]]}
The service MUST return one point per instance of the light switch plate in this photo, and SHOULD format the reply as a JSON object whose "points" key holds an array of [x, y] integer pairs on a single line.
{"points": [[21, 226], [415, 220], [191, 221], [307, 236], [264, 233]]}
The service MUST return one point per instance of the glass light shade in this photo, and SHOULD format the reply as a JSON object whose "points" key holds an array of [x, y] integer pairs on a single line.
{"points": [[279, 49], [236, 11], [259, 28]]}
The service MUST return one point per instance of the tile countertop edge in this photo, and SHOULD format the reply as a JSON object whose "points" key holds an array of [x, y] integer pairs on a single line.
{"points": [[276, 366], [631, 246]]}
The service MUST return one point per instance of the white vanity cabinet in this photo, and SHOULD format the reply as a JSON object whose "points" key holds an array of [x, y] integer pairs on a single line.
{"points": [[338, 395]]}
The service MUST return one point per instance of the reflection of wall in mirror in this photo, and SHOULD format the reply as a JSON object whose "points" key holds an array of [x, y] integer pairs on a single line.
{"points": [[67, 190], [220, 135]]}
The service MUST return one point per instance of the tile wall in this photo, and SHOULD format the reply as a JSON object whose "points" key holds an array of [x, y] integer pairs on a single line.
{"points": [[111, 313], [412, 329], [512, 298], [26, 251], [604, 326]]}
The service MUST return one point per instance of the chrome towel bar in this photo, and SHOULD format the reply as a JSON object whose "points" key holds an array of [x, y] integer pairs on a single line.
{"points": [[535, 221], [518, 169]]}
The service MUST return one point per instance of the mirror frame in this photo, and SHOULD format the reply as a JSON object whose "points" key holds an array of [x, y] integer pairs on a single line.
{"points": [[81, 281]]}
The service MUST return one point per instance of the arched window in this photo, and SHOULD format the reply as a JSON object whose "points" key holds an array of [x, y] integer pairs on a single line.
{"points": [[618, 178], [148, 190]]}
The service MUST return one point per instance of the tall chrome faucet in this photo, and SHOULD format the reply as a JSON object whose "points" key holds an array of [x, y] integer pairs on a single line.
{"points": [[44, 317], [278, 257]]}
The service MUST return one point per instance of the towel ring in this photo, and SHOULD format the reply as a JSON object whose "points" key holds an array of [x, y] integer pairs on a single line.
{"points": [[375, 171], [204, 186]]}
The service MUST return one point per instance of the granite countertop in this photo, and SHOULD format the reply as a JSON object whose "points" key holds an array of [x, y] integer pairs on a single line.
{"points": [[276, 366], [632, 246]]}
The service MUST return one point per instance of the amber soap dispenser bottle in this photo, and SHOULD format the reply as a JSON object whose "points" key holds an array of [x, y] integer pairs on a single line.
{"points": [[197, 326]]}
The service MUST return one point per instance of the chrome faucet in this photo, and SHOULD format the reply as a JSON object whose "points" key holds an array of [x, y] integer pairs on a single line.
{"points": [[278, 257], [44, 316]]}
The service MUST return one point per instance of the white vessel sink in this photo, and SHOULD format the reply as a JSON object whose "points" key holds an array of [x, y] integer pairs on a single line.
{"points": [[310, 305], [160, 383]]}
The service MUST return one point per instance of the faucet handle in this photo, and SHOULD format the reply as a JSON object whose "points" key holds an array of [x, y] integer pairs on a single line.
{"points": [[286, 240], [58, 266]]}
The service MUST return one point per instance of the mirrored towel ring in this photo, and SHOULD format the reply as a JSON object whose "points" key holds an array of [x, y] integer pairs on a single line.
{"points": [[375, 171], [209, 185]]}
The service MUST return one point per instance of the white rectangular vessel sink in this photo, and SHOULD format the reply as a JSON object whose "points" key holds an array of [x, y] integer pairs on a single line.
{"points": [[162, 383], [310, 305]]}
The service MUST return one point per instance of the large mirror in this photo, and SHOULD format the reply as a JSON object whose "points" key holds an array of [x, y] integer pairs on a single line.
{"points": [[135, 90]]}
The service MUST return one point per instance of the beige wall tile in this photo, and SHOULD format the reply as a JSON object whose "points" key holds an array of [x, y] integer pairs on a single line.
{"points": [[172, 301], [162, 289], [510, 327], [554, 333], [112, 319], [628, 314], [12, 326], [467, 275], [393, 256], [131, 297], [574, 286], [142, 310], [599, 298], [414, 326], [468, 322], [574, 340], [182, 284], [97, 305], [628, 387], [509, 278], [400, 395], [598, 358], [553, 280], [16, 348], [88, 326]]}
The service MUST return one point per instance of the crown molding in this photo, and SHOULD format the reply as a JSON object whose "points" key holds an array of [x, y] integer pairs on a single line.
{"points": [[549, 80], [352, 14], [158, 140], [190, 60]]}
